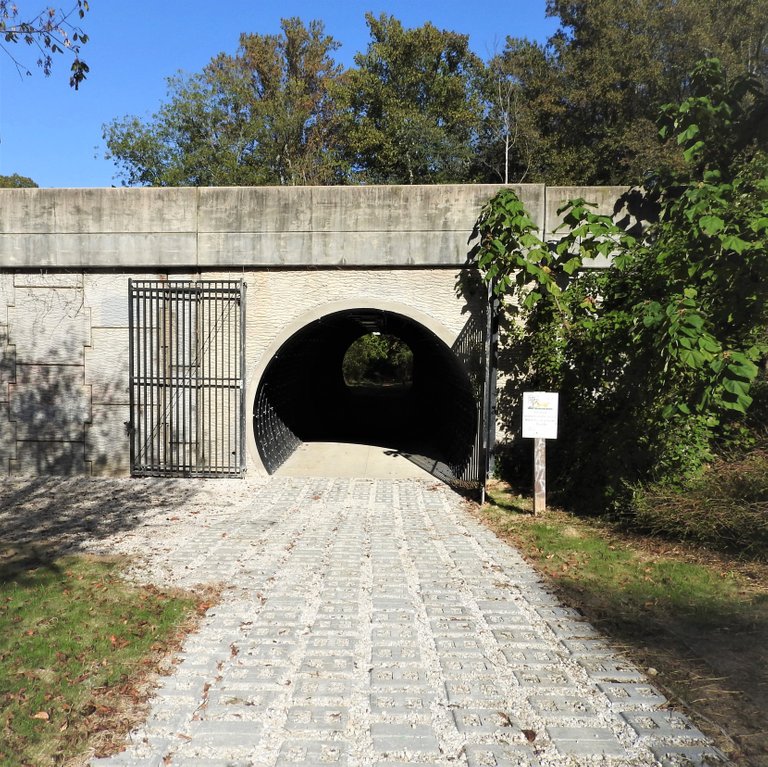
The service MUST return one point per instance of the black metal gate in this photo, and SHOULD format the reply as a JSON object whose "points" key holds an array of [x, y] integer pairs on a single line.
{"points": [[187, 383], [476, 348]]}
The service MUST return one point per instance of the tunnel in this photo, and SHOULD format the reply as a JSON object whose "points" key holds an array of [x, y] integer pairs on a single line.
{"points": [[302, 396]]}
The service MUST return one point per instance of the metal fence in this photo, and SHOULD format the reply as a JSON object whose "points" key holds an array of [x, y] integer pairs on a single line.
{"points": [[187, 383]]}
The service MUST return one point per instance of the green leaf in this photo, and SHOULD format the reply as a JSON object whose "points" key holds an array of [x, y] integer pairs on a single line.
{"points": [[735, 243], [692, 151], [711, 225], [692, 358], [689, 133]]}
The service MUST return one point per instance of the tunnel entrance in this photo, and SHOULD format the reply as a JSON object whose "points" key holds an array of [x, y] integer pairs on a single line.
{"points": [[306, 395]]}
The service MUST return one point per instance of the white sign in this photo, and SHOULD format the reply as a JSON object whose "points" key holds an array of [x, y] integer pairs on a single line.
{"points": [[540, 414]]}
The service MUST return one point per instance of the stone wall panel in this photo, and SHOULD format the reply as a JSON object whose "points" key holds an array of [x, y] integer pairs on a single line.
{"points": [[107, 445], [49, 403], [49, 326], [49, 459], [106, 366]]}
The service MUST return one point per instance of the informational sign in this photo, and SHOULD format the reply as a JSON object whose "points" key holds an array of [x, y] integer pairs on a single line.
{"points": [[540, 414]]}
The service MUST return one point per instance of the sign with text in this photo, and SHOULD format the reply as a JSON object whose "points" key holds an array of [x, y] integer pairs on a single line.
{"points": [[540, 414]]}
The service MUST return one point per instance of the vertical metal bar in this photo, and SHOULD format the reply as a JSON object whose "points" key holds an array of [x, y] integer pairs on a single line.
{"points": [[241, 329], [186, 402], [145, 414], [171, 383], [215, 342], [162, 426], [185, 297], [211, 393], [202, 389], [228, 390], [154, 382], [131, 381]]}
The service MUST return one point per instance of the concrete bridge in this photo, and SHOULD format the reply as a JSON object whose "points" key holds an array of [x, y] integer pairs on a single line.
{"points": [[201, 331]]}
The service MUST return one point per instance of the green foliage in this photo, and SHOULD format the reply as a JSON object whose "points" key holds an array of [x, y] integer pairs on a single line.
{"points": [[264, 116], [413, 105], [656, 356], [50, 31], [589, 97], [16, 182], [378, 358]]}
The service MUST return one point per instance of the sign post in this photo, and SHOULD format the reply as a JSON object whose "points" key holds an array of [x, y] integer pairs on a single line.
{"points": [[540, 424]]}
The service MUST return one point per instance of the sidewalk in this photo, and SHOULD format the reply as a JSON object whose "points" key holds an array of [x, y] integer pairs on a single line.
{"points": [[375, 623]]}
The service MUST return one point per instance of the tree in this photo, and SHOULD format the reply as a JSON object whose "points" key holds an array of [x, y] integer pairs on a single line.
{"points": [[264, 116], [51, 32], [597, 85], [656, 356], [510, 147], [378, 359], [16, 182], [413, 105]]}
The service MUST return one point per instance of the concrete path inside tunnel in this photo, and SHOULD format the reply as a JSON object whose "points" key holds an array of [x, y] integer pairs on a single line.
{"points": [[347, 460], [378, 623]]}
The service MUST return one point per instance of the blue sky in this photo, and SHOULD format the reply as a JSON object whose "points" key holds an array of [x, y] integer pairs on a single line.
{"points": [[52, 133]]}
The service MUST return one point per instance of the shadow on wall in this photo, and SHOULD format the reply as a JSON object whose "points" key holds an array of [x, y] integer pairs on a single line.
{"points": [[57, 423]]}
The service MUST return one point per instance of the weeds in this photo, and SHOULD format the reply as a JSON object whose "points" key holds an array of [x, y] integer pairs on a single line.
{"points": [[726, 508]]}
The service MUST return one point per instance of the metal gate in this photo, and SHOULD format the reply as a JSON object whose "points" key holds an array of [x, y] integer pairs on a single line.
{"points": [[187, 382], [476, 349]]}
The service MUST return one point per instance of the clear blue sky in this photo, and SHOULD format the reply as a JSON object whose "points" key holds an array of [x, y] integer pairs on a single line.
{"points": [[52, 133]]}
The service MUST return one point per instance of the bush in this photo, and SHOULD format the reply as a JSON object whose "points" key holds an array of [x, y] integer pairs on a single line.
{"points": [[725, 508]]}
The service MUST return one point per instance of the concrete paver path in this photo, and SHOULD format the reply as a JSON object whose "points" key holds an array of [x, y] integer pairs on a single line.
{"points": [[376, 623]]}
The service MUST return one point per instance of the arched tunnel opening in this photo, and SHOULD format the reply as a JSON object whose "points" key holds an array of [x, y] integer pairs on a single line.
{"points": [[303, 396]]}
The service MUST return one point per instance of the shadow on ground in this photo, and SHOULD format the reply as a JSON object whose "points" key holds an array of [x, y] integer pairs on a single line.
{"points": [[42, 519]]}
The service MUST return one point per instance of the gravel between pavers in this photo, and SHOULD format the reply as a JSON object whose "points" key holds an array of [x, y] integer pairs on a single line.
{"points": [[364, 623]]}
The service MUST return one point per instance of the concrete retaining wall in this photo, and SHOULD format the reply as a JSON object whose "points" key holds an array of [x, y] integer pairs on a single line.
{"points": [[66, 257]]}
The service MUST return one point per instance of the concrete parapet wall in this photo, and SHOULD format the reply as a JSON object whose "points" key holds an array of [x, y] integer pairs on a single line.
{"points": [[244, 226]]}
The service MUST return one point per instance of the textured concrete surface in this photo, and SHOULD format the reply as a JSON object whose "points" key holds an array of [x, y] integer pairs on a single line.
{"points": [[244, 226], [344, 460], [377, 623]]}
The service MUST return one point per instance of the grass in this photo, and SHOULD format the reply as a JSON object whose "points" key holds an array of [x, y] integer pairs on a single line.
{"points": [[696, 617], [75, 642]]}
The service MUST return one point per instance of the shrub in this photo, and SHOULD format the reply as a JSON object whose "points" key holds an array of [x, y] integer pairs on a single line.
{"points": [[725, 508]]}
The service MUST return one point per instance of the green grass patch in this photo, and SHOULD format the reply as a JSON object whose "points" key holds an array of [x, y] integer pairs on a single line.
{"points": [[625, 576], [74, 636]]}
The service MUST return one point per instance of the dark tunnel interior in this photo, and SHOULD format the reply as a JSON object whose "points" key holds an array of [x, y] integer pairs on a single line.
{"points": [[302, 396]]}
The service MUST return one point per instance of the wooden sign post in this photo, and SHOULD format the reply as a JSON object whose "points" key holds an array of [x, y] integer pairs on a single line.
{"points": [[540, 424]]}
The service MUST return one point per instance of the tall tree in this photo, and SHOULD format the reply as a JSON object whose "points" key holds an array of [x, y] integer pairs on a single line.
{"points": [[516, 85], [50, 32], [263, 116], [612, 64], [413, 105]]}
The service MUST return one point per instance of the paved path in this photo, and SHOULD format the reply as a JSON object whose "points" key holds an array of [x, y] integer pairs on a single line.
{"points": [[349, 460], [376, 623]]}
